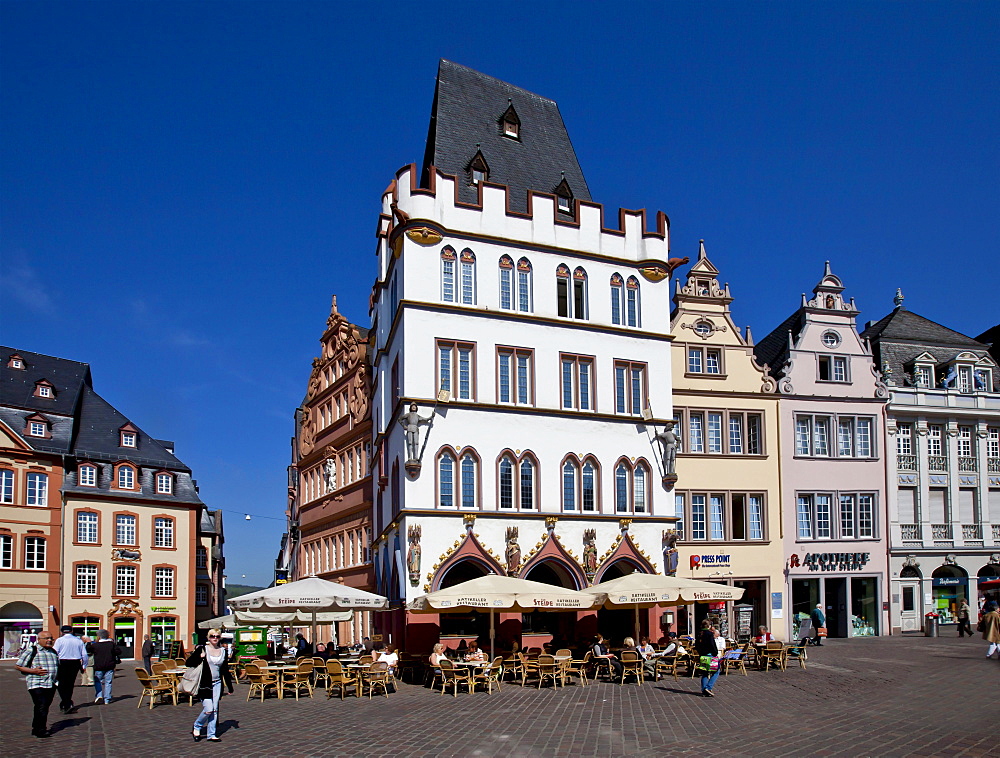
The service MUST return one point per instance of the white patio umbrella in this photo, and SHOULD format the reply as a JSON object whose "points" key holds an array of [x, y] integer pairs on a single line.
{"points": [[307, 597], [646, 590], [248, 618], [503, 593]]}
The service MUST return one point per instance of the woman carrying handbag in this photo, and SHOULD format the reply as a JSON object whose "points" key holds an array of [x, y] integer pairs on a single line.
{"points": [[708, 661], [213, 659]]}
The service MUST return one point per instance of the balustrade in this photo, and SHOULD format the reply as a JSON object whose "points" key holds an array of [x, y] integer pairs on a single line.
{"points": [[972, 531], [906, 462], [967, 464], [937, 463], [941, 531], [910, 531]]}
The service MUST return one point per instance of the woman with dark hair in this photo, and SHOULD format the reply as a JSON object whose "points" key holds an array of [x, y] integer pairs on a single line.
{"points": [[708, 650], [214, 661]]}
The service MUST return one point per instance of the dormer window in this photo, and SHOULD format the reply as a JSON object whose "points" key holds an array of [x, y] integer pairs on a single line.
{"points": [[922, 376], [510, 123], [983, 380], [87, 476], [43, 390], [16, 361], [564, 197], [126, 477], [479, 169], [128, 436], [36, 425], [164, 483]]}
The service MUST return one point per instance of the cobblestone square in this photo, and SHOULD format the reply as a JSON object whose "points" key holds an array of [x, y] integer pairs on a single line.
{"points": [[889, 696]]}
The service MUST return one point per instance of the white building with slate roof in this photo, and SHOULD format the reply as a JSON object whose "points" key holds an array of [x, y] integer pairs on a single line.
{"points": [[530, 329], [943, 466]]}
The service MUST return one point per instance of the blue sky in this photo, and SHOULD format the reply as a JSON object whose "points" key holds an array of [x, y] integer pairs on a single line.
{"points": [[183, 185]]}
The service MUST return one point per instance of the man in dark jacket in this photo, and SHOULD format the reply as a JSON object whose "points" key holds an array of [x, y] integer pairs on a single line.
{"points": [[106, 656], [147, 654], [819, 620]]}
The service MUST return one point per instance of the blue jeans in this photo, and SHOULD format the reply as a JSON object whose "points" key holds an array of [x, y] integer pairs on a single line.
{"points": [[102, 684], [708, 682], [210, 710]]}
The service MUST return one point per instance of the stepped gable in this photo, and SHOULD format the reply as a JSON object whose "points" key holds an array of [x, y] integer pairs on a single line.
{"points": [[467, 122]]}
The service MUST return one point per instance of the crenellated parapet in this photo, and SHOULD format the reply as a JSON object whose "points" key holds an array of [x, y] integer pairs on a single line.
{"points": [[425, 213]]}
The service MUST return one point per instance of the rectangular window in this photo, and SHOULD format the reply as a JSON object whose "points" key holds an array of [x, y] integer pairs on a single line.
{"points": [[34, 553], [823, 529], [922, 376], [756, 517], [515, 376], [965, 379], [6, 486], [125, 580], [804, 517], [698, 531], [832, 369], [86, 527], [965, 442], [845, 437], [714, 432], [754, 435], [821, 436], [738, 517], [36, 429], [38, 489], [6, 551], [124, 530], [904, 439], [863, 437], [679, 512], [86, 579], [717, 512], [200, 594], [588, 489], [506, 288], [576, 372], [630, 387], [164, 582], [632, 296], [695, 360], [128, 439], [735, 434], [696, 433], [88, 476], [164, 484], [993, 442], [456, 369], [866, 516], [163, 529], [803, 435], [713, 362], [468, 283], [847, 516]]}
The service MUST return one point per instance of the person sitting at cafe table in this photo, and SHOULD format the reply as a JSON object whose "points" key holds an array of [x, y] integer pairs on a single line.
{"points": [[600, 650], [763, 635], [648, 654], [389, 656], [474, 653]]}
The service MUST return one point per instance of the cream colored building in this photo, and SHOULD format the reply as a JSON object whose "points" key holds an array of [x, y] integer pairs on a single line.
{"points": [[728, 489]]}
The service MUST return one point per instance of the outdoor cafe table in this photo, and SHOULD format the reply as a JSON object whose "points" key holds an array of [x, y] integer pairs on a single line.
{"points": [[280, 669]]}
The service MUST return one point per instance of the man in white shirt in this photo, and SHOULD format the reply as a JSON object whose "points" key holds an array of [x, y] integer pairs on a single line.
{"points": [[72, 660]]}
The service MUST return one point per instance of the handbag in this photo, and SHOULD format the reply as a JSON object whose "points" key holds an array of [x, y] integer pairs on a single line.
{"points": [[707, 664], [190, 682], [821, 631]]}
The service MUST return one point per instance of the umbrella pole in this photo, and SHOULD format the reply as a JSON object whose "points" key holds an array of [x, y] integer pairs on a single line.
{"points": [[637, 630], [492, 652], [313, 640]]}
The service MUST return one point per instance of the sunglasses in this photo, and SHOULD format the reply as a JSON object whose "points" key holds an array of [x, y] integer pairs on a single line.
{"points": [[214, 636]]}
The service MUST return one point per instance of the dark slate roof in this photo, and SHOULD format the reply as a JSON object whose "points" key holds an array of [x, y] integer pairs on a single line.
{"points": [[467, 111], [902, 335], [84, 425], [772, 350], [903, 324], [991, 337], [17, 387]]}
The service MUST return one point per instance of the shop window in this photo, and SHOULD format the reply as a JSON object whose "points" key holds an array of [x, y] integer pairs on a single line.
{"points": [[163, 631], [86, 625]]}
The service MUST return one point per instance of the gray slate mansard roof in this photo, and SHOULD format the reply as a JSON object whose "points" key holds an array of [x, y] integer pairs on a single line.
{"points": [[83, 424], [772, 350], [902, 335], [467, 111]]}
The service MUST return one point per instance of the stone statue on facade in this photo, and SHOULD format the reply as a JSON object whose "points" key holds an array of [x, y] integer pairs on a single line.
{"points": [[413, 555], [670, 554], [411, 421], [590, 553], [513, 552], [330, 474], [668, 440]]}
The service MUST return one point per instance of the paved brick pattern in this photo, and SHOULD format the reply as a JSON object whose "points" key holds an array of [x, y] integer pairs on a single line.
{"points": [[898, 696]]}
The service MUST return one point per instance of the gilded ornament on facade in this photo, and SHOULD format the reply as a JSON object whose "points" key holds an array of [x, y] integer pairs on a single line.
{"points": [[590, 553], [654, 273], [424, 235], [413, 554], [513, 552]]}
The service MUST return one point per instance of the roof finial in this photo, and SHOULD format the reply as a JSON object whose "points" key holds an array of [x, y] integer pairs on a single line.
{"points": [[702, 255], [898, 300], [509, 102], [827, 271], [478, 145]]}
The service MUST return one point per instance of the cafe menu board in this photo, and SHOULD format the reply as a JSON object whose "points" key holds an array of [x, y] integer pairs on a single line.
{"points": [[744, 620], [175, 649]]}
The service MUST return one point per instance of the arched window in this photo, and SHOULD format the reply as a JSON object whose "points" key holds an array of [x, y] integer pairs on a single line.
{"points": [[506, 267], [524, 286], [621, 488], [448, 260], [569, 487], [87, 476], [632, 315], [469, 487], [468, 280], [571, 292], [640, 479], [527, 485], [588, 489], [506, 483], [446, 480], [617, 298]]}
